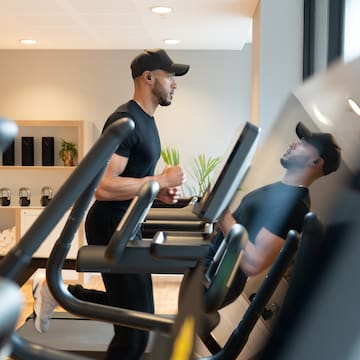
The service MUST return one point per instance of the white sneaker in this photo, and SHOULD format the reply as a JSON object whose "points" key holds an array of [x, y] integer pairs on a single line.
{"points": [[44, 302]]}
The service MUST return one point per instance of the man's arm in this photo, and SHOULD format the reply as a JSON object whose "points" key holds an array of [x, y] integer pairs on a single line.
{"points": [[259, 255], [112, 186]]}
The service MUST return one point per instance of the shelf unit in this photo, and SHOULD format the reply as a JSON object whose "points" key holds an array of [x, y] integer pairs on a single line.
{"points": [[36, 177], [60, 129]]}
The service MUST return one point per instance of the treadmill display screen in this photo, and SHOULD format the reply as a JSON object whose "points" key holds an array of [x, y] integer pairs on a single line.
{"points": [[227, 181]]}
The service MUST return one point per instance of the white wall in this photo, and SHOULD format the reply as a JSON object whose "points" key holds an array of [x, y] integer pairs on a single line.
{"points": [[280, 56], [211, 101]]}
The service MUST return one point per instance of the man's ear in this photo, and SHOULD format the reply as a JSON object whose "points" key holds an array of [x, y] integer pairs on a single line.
{"points": [[147, 75], [319, 162]]}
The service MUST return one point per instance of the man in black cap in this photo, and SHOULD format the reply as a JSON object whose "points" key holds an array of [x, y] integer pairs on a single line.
{"points": [[268, 213], [131, 166]]}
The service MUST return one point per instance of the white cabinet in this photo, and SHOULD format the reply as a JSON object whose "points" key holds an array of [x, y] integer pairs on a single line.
{"points": [[27, 218]]}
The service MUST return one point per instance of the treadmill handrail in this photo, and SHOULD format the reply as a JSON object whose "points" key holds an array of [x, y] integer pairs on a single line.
{"points": [[129, 224], [11, 303], [221, 281]]}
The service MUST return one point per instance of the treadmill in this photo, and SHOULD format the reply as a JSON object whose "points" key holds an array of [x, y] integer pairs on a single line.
{"points": [[165, 253]]}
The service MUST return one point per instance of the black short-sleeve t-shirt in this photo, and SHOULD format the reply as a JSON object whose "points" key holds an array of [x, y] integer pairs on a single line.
{"points": [[278, 207], [141, 146]]}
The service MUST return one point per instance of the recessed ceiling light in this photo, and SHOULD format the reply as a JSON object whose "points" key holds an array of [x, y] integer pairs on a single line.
{"points": [[171, 41], [354, 106], [320, 116], [28, 41], [161, 9]]}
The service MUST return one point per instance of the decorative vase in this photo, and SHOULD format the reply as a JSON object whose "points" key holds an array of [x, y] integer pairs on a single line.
{"points": [[68, 158]]}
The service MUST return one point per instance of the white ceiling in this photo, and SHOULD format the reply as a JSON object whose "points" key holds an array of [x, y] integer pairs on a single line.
{"points": [[125, 24]]}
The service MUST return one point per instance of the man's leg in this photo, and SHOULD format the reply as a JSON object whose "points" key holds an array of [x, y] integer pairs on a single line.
{"points": [[135, 292]]}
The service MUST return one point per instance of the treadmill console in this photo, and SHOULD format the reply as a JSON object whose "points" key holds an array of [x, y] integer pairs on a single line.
{"points": [[227, 181]]}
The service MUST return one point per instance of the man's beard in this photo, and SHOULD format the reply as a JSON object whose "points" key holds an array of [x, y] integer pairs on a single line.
{"points": [[164, 102], [293, 163], [284, 163], [160, 93]]}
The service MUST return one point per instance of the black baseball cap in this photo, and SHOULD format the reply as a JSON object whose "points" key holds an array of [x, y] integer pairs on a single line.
{"points": [[325, 144], [156, 59]]}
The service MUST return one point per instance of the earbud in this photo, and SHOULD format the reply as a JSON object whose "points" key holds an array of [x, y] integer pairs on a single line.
{"points": [[149, 77]]}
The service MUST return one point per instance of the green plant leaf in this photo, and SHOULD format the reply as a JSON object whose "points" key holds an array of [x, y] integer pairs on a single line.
{"points": [[202, 170], [170, 155], [69, 147]]}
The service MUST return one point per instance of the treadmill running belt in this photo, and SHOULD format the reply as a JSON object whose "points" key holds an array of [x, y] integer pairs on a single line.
{"points": [[73, 334]]}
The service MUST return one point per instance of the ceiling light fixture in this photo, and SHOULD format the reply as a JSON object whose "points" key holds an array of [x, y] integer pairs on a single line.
{"points": [[355, 107], [28, 41], [171, 41], [161, 10]]}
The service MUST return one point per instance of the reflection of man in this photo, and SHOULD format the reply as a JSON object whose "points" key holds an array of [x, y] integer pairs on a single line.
{"points": [[268, 213], [130, 167]]}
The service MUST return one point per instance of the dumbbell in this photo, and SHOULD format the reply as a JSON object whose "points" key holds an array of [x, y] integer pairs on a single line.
{"points": [[46, 195], [5, 196], [24, 196]]}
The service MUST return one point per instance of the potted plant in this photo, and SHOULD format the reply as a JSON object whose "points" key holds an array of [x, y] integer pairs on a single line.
{"points": [[68, 152]]}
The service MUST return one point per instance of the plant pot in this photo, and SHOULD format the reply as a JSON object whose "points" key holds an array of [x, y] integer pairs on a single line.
{"points": [[68, 159]]}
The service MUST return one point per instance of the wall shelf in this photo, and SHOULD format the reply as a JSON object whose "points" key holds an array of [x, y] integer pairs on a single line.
{"points": [[36, 177], [36, 167]]}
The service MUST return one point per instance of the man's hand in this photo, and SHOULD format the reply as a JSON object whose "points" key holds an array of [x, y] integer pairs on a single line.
{"points": [[169, 195], [226, 221], [173, 176]]}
